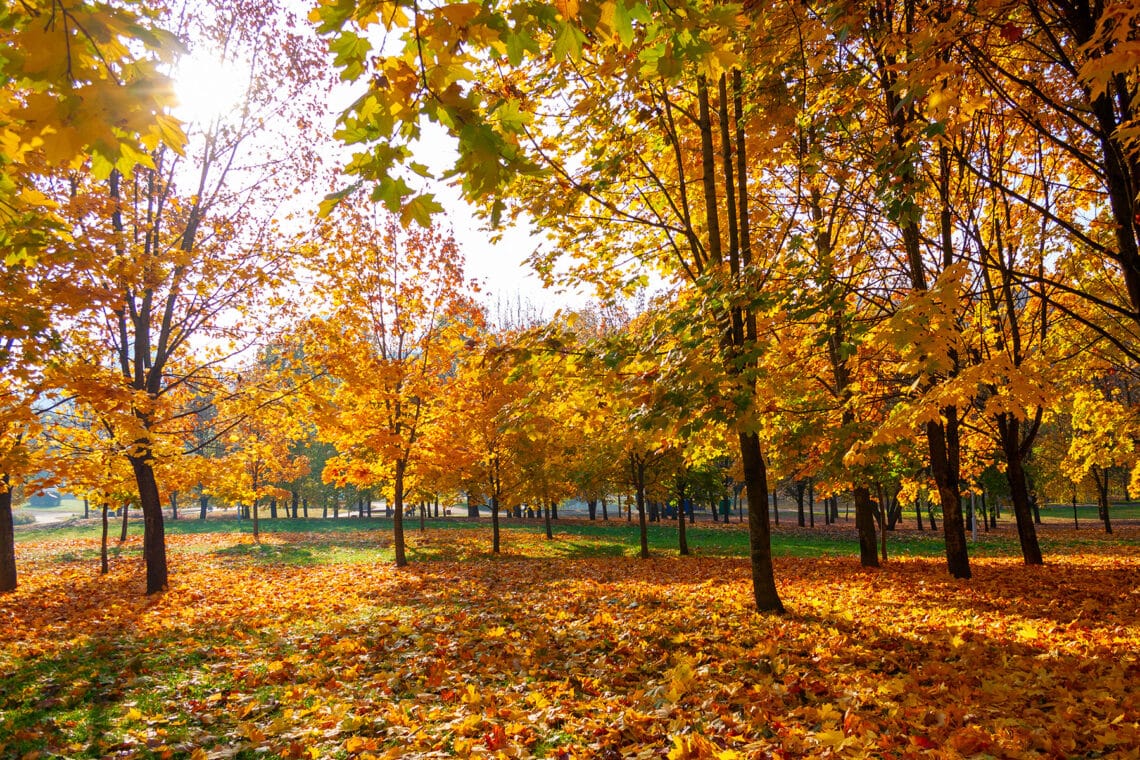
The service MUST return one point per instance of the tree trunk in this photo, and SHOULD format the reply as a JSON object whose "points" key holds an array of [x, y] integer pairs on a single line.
{"points": [[592, 508], [811, 503], [8, 576], [865, 526], [203, 506], [154, 534], [104, 564], [801, 489], [173, 505], [637, 467], [759, 531], [256, 520], [942, 441], [86, 508], [548, 508], [605, 510], [1022, 510], [398, 514], [918, 512], [123, 532], [305, 507], [494, 523], [682, 538], [1100, 477]]}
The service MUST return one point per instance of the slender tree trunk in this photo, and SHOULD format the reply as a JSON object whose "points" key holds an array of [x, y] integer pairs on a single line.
{"points": [[811, 503], [86, 508], [759, 531], [423, 517], [256, 520], [548, 508], [592, 508], [173, 505], [203, 506], [398, 514], [801, 517], [305, 507], [883, 524], [605, 510], [494, 523], [123, 532], [638, 472], [1100, 477], [682, 538], [104, 564], [918, 512], [154, 533], [8, 577]]}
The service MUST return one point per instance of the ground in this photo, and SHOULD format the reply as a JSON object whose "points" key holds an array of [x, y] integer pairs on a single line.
{"points": [[312, 645]]}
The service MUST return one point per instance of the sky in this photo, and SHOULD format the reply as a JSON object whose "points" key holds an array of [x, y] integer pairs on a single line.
{"points": [[208, 88]]}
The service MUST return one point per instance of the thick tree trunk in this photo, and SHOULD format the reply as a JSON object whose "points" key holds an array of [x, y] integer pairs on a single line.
{"points": [[943, 445], [759, 531], [1019, 495], [865, 526], [592, 508], [398, 514], [154, 534], [8, 578]]}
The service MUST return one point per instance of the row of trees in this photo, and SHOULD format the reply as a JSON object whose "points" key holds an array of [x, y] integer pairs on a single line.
{"points": [[894, 243], [935, 201]]}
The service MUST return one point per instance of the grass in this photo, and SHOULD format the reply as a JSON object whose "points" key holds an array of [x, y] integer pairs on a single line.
{"points": [[315, 541]]}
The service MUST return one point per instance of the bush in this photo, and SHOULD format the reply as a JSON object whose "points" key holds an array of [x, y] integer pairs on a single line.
{"points": [[22, 517]]}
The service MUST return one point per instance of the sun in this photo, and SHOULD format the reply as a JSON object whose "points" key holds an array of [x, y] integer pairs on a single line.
{"points": [[208, 88]]}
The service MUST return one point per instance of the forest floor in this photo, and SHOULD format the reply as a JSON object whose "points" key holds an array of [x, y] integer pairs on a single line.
{"points": [[310, 644]]}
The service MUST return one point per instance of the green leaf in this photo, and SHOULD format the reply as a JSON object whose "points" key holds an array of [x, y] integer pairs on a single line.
{"points": [[421, 208], [332, 199], [569, 43]]}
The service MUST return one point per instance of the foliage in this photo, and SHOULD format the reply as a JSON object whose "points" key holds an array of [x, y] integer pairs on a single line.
{"points": [[539, 654]]}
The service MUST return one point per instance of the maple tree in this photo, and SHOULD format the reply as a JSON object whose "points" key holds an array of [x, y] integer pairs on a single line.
{"points": [[396, 319], [479, 429], [180, 259], [80, 83]]}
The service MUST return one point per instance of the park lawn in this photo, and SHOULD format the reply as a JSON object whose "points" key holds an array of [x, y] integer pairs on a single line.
{"points": [[566, 649]]}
